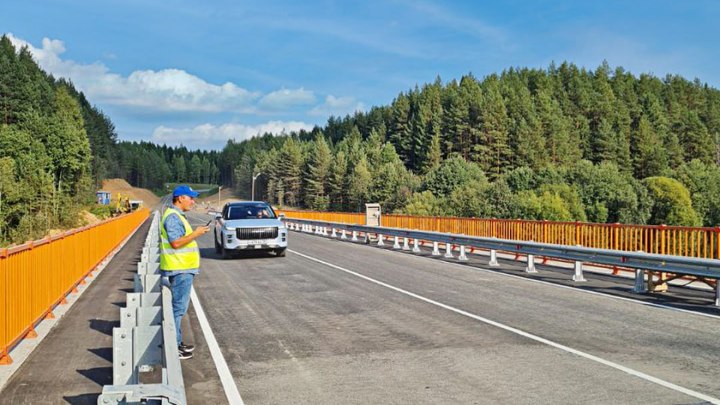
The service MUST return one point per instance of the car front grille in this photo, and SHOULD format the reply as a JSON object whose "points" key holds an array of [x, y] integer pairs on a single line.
{"points": [[257, 233]]}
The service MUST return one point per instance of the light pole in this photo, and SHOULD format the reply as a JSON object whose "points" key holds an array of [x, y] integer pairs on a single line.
{"points": [[252, 195]]}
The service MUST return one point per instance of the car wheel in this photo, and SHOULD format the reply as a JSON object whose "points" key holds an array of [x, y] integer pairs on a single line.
{"points": [[224, 252], [217, 244], [280, 252]]}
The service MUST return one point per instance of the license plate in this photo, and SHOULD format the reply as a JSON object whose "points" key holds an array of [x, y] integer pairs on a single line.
{"points": [[257, 243]]}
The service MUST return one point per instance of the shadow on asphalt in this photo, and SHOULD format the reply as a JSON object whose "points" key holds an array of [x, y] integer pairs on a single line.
{"points": [[103, 352], [99, 375], [104, 326], [90, 399], [209, 253]]}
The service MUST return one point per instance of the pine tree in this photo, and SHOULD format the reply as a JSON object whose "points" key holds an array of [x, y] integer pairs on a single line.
{"points": [[649, 156], [337, 182], [493, 153], [316, 175], [291, 164], [359, 185], [400, 131]]}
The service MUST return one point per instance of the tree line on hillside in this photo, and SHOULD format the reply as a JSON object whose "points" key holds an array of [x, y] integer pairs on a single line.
{"points": [[558, 144], [54, 146], [147, 165]]}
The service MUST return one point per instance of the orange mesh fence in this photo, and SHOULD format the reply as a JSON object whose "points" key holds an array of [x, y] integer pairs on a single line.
{"points": [[37, 276], [660, 239]]}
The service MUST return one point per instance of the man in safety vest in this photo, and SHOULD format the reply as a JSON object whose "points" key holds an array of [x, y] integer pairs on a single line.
{"points": [[180, 256]]}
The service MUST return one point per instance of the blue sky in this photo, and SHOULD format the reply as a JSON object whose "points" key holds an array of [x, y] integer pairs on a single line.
{"points": [[199, 74]]}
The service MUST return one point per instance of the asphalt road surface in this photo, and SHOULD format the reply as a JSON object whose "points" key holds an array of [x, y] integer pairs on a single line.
{"points": [[341, 323]]}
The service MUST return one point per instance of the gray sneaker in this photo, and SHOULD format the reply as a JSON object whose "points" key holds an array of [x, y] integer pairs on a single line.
{"points": [[184, 355], [186, 348]]}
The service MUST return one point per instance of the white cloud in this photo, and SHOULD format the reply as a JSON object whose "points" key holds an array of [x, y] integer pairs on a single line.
{"points": [[168, 90], [209, 136], [285, 98], [337, 106]]}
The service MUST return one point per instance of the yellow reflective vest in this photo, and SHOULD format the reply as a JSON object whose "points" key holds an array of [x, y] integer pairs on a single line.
{"points": [[185, 258]]}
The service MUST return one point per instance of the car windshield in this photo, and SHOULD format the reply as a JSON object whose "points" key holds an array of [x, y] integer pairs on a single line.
{"points": [[250, 211]]}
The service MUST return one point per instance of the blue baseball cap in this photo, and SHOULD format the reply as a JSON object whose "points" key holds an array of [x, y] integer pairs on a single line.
{"points": [[185, 190]]}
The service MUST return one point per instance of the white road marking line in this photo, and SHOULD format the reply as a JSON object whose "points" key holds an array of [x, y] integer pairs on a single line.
{"points": [[226, 378], [536, 338], [500, 272]]}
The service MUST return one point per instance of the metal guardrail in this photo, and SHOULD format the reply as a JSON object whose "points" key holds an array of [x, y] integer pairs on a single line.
{"points": [[700, 242], [146, 367], [640, 261]]}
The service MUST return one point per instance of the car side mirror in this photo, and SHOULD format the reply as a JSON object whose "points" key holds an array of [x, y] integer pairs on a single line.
{"points": [[218, 216], [281, 216]]}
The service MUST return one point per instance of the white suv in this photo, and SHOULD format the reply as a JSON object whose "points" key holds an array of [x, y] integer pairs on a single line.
{"points": [[249, 226]]}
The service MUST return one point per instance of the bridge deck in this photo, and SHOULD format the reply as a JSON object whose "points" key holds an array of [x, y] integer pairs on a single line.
{"points": [[349, 330]]}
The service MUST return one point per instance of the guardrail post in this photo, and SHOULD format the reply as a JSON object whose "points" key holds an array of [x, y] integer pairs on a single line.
{"points": [[717, 293], [397, 243], [463, 256], [354, 236], [493, 259], [530, 264], [448, 251], [578, 276], [436, 249], [640, 286], [416, 248], [406, 246], [333, 234]]}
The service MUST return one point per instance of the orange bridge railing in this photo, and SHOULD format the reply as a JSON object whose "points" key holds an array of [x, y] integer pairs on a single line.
{"points": [[37, 276], [659, 239]]}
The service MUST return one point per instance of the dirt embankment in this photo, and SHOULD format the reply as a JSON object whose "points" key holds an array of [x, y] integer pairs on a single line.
{"points": [[121, 187]]}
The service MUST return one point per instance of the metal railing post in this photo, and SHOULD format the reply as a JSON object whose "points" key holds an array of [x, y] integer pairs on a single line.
{"points": [[578, 276], [448, 251], [436, 249], [640, 286], [462, 256], [530, 264], [493, 259], [416, 248]]}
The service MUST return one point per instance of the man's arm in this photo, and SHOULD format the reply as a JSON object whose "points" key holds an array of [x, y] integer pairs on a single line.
{"points": [[176, 232], [184, 240]]}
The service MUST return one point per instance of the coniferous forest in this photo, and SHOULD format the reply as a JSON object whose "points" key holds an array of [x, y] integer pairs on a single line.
{"points": [[562, 143]]}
